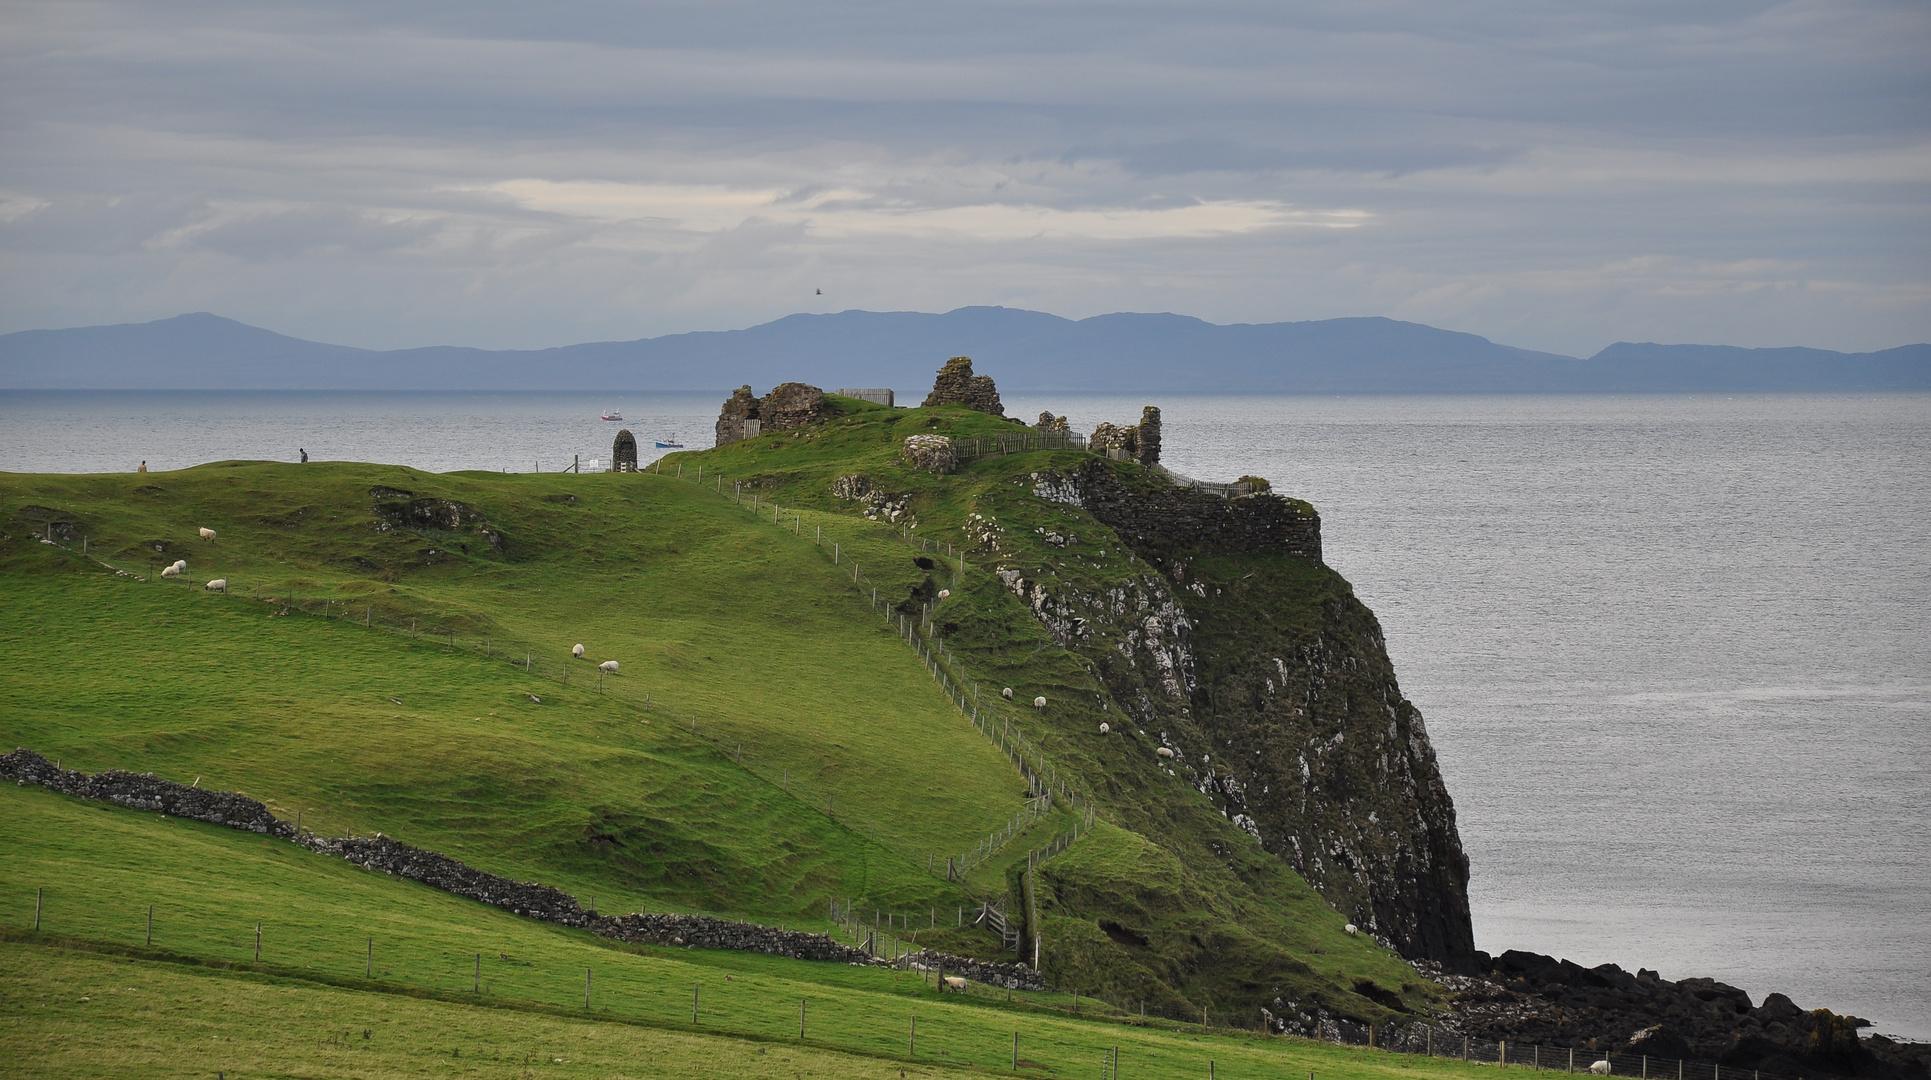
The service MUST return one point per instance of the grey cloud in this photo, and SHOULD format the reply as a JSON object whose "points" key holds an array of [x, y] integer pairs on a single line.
{"points": [[1550, 174]]}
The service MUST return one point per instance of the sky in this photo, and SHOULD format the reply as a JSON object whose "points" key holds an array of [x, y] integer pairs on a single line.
{"points": [[1555, 176]]}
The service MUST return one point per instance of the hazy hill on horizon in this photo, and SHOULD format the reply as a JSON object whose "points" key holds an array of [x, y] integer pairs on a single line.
{"points": [[1027, 351]]}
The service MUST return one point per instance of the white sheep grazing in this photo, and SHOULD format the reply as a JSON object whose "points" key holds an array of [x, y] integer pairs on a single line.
{"points": [[169, 571], [577, 652], [954, 982], [207, 534], [1600, 1068], [1039, 703], [608, 666], [1352, 929], [1104, 728], [945, 594], [1164, 752], [219, 584], [1006, 693], [180, 566]]}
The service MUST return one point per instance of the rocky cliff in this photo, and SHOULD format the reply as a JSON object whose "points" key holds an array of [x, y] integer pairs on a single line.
{"points": [[1255, 663]]}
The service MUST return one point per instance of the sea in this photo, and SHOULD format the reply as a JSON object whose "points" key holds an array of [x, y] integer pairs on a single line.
{"points": [[1674, 652]]}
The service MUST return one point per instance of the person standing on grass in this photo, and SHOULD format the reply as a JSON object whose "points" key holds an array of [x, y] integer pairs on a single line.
{"points": [[304, 456]]}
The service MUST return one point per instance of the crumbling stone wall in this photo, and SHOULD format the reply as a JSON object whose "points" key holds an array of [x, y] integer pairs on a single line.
{"points": [[1049, 422], [1159, 519], [933, 453], [788, 406], [1140, 443], [791, 405], [742, 405], [985, 972], [144, 791], [957, 385]]}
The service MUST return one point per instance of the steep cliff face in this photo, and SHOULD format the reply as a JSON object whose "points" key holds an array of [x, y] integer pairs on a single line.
{"points": [[1255, 663]]}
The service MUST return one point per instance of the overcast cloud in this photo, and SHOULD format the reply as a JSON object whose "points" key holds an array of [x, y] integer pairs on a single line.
{"points": [[1551, 175]]}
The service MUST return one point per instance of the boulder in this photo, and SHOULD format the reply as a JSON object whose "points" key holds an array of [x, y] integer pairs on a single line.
{"points": [[933, 453], [1659, 1041]]}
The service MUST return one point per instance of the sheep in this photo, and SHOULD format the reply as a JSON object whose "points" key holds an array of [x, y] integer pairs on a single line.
{"points": [[1105, 728], [1165, 752], [1039, 703], [954, 982], [945, 594], [1601, 1068], [577, 652], [1006, 693], [219, 584], [1352, 929], [207, 534], [608, 666], [170, 571]]}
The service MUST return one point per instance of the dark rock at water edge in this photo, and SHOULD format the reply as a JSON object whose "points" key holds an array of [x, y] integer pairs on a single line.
{"points": [[1527, 998]]}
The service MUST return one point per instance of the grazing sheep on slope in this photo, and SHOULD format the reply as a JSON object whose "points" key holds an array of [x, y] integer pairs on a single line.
{"points": [[207, 534], [219, 584], [1600, 1068], [577, 652], [1164, 752], [609, 666], [1104, 728], [1006, 693], [1039, 703], [953, 982]]}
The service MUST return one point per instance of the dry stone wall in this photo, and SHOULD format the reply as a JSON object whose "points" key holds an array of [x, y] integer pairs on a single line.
{"points": [[144, 791]]}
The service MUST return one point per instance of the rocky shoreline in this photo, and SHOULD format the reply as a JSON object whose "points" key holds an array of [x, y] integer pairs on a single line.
{"points": [[1526, 998]]}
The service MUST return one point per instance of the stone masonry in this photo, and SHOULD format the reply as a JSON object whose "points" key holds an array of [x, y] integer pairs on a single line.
{"points": [[957, 385]]}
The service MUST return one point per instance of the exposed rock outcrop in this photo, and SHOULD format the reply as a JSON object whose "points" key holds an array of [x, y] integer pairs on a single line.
{"points": [[1272, 684], [957, 385], [933, 453], [1525, 997]]}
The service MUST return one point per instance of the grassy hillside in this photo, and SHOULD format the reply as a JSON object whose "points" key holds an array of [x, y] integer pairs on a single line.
{"points": [[392, 655], [88, 996]]}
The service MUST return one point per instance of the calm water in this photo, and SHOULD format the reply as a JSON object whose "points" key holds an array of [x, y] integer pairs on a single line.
{"points": [[1675, 652]]}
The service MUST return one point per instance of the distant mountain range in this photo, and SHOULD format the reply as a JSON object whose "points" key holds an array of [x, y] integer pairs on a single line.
{"points": [[1026, 351]]}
